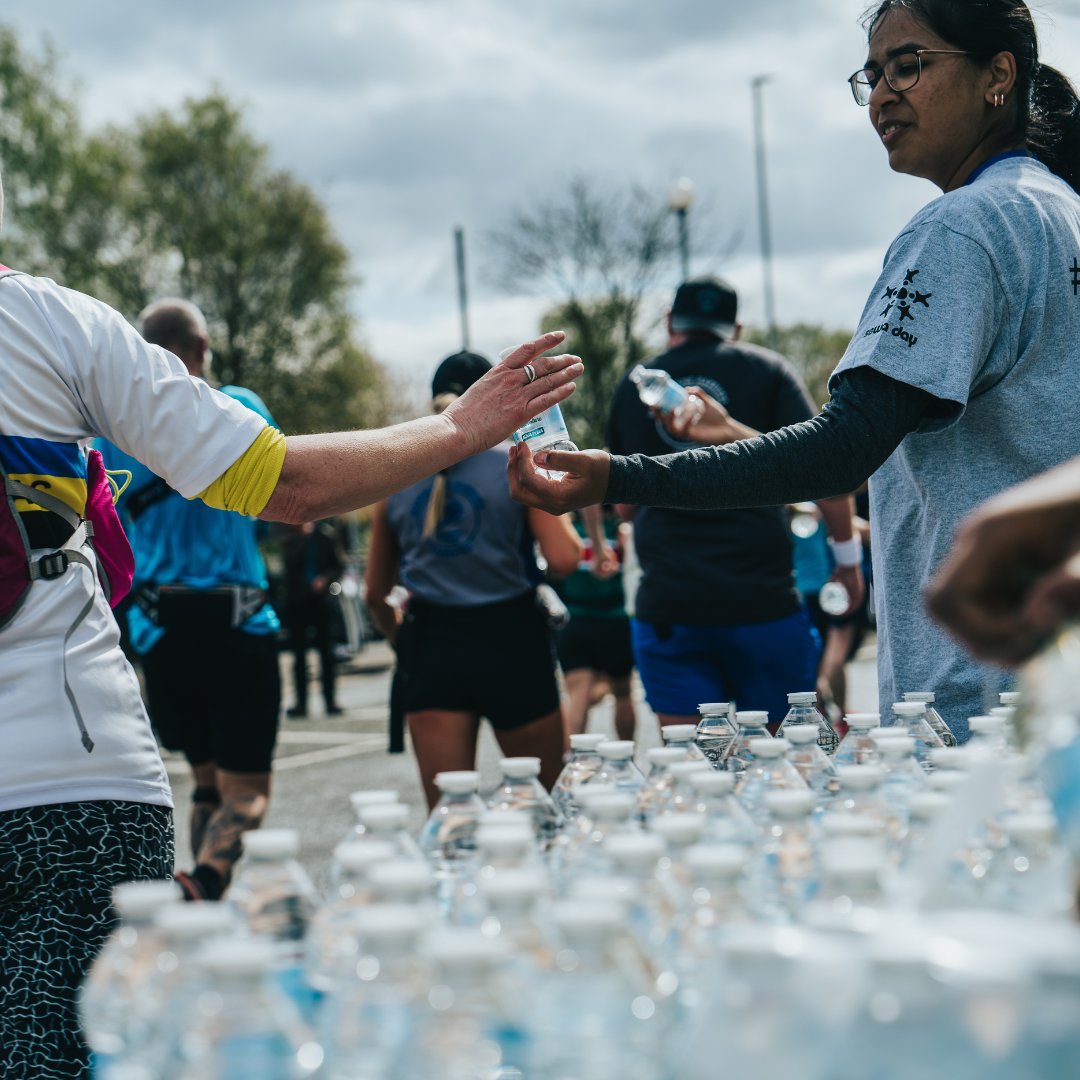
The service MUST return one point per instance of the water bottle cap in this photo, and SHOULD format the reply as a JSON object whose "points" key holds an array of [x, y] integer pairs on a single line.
{"points": [[863, 721], [678, 732], [920, 695], [715, 708], [840, 824], [852, 858], [638, 852], [140, 899], [499, 840], [1030, 826], [946, 779], [987, 725], [594, 919], [789, 804], [889, 731], [679, 830], [751, 719], [803, 697], [460, 950], [401, 879], [361, 854], [618, 806], [238, 956], [637, 373], [909, 708], [712, 782], [271, 843], [950, 757], [1010, 697], [513, 888], [889, 744], [683, 769], [461, 782], [1007, 711], [716, 862], [586, 742], [506, 819], [616, 750], [390, 924], [384, 817], [373, 798], [520, 768], [926, 805], [186, 922], [665, 755], [801, 734], [612, 890], [859, 777], [592, 790], [769, 747]]}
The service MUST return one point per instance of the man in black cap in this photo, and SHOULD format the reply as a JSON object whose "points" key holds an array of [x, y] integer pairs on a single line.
{"points": [[717, 614]]}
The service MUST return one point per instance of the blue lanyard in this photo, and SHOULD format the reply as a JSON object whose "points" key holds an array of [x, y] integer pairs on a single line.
{"points": [[993, 161]]}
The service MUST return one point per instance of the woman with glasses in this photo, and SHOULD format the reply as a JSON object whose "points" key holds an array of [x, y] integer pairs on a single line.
{"points": [[962, 375]]}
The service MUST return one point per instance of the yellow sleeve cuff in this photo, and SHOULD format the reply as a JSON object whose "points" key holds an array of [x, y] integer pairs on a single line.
{"points": [[247, 484]]}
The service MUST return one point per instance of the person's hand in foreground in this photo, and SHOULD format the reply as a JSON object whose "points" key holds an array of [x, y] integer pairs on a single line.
{"points": [[703, 420], [583, 483], [505, 398], [1012, 576]]}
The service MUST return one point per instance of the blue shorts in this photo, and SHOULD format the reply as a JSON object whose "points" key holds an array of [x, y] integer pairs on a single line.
{"points": [[756, 666]]}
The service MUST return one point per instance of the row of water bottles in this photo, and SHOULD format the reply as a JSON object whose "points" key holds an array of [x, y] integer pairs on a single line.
{"points": [[865, 914]]}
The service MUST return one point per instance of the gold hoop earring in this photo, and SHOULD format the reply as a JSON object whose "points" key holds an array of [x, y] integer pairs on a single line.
{"points": [[999, 100]]}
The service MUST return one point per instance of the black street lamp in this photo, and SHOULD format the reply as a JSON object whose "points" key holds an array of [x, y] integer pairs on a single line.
{"points": [[680, 198]]}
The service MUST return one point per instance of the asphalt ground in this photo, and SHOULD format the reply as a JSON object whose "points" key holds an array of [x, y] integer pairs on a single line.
{"points": [[321, 760]]}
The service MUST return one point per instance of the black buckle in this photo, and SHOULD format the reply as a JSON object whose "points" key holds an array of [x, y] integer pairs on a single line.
{"points": [[52, 565]]}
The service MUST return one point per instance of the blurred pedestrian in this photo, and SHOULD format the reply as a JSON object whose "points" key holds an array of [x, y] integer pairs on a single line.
{"points": [[313, 563], [952, 387], [474, 641]]}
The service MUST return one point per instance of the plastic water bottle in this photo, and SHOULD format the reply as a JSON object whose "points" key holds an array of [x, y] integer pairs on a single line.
{"points": [[125, 962], [547, 431], [388, 823], [749, 725], [817, 770], [933, 717], [833, 598], [767, 770], [989, 734], [617, 767], [789, 870], [656, 794], [1031, 876], [520, 789], [448, 837], [362, 799], [856, 747], [726, 820], [659, 390], [579, 769], [912, 716], [803, 710], [714, 731]]}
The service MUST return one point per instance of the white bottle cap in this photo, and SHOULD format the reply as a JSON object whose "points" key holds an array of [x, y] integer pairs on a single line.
{"points": [[927, 805], [1010, 697], [839, 824], [616, 750], [863, 721], [891, 745], [751, 719], [679, 830], [769, 747], [909, 708], [188, 922], [950, 757], [507, 843], [804, 697], [520, 768], [372, 798], [987, 725], [946, 780], [635, 852], [611, 890], [665, 755], [395, 925], [859, 777], [618, 806], [514, 889], [1008, 711], [506, 818], [789, 805], [140, 899], [271, 843], [586, 742], [716, 862], [357, 855], [802, 734], [683, 769], [712, 782], [402, 879], [590, 920], [238, 956], [1031, 826], [593, 789], [678, 732], [384, 817], [459, 782], [715, 708], [852, 859], [920, 695], [459, 951], [889, 731]]}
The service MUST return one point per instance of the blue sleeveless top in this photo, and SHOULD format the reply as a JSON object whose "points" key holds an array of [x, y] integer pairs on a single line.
{"points": [[483, 550]]}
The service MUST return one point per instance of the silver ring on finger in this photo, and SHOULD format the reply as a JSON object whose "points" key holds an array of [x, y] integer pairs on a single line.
{"points": [[530, 373]]}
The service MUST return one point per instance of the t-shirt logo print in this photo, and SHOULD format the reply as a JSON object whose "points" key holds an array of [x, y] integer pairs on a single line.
{"points": [[904, 298]]}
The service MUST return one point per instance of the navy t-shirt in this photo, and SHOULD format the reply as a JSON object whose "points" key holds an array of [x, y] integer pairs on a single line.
{"points": [[724, 567]]}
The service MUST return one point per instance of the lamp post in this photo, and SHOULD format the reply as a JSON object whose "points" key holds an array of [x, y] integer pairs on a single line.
{"points": [[680, 198], [463, 295], [763, 207]]}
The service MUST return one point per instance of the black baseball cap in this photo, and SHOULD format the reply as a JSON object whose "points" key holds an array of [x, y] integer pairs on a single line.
{"points": [[705, 303], [458, 372]]}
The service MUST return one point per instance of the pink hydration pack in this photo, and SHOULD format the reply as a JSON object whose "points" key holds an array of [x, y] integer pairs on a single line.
{"points": [[97, 541]]}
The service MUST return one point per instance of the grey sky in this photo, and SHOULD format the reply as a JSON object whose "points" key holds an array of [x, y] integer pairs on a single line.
{"points": [[409, 117]]}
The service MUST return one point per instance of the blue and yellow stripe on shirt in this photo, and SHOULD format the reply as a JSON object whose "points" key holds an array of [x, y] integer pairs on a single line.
{"points": [[56, 467]]}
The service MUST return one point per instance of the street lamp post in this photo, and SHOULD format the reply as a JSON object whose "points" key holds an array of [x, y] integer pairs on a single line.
{"points": [[463, 295], [680, 199], [763, 207]]}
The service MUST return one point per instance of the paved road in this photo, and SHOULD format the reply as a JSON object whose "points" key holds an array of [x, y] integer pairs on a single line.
{"points": [[322, 759]]}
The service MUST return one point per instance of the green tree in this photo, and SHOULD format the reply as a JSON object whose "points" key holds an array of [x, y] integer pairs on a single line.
{"points": [[813, 350]]}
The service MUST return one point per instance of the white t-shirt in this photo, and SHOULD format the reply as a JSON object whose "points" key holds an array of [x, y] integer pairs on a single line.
{"points": [[72, 368]]}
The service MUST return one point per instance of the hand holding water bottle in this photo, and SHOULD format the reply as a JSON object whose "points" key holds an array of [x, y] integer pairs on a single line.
{"points": [[702, 419]]}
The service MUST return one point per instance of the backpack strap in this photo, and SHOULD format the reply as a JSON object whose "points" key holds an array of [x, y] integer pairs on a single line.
{"points": [[138, 502]]}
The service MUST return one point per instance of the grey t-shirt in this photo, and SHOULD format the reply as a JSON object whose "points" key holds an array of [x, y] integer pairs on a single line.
{"points": [[978, 304]]}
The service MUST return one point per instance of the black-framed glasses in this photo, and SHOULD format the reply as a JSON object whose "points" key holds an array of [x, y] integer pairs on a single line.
{"points": [[901, 73]]}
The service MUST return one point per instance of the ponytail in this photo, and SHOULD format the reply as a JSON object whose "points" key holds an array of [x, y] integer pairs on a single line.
{"points": [[1053, 133], [436, 506]]}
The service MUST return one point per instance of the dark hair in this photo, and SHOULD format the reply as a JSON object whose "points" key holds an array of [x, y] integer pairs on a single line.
{"points": [[1047, 106]]}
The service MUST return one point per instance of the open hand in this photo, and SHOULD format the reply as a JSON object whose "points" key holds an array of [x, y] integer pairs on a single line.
{"points": [[583, 483]]}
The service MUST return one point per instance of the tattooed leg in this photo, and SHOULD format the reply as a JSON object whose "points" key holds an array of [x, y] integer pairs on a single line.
{"points": [[244, 801], [205, 800]]}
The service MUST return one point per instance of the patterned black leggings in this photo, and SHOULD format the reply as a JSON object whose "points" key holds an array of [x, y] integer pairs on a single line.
{"points": [[58, 866]]}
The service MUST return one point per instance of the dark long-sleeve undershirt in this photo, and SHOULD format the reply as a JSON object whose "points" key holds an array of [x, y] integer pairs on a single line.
{"points": [[832, 454]]}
